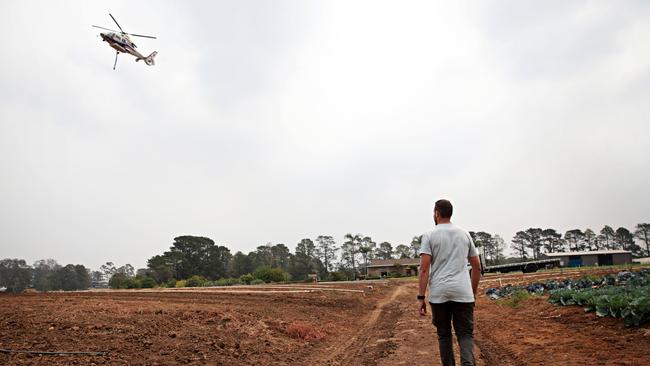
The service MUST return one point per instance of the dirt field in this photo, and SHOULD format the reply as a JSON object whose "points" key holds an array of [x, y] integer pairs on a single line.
{"points": [[377, 326]]}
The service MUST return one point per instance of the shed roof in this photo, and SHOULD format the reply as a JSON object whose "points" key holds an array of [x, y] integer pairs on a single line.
{"points": [[392, 262], [595, 252]]}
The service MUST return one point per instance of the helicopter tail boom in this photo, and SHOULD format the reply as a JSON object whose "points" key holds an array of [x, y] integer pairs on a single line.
{"points": [[149, 59]]}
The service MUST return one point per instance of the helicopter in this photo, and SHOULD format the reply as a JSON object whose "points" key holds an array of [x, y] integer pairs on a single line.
{"points": [[120, 41]]}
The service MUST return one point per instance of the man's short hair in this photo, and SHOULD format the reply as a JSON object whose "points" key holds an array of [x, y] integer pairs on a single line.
{"points": [[445, 208]]}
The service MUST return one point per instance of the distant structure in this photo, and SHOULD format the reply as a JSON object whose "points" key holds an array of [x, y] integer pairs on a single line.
{"points": [[594, 258], [387, 267], [99, 284]]}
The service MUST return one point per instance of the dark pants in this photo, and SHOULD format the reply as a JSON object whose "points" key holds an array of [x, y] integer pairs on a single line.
{"points": [[461, 314]]}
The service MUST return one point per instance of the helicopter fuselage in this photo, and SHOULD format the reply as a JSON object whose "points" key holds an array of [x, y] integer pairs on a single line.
{"points": [[121, 44]]}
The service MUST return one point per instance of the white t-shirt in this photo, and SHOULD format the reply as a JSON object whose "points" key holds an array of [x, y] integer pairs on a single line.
{"points": [[449, 247]]}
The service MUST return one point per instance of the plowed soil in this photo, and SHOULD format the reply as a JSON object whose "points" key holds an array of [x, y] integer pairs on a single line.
{"points": [[377, 327]]}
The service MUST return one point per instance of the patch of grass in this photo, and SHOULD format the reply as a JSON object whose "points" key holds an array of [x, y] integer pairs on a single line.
{"points": [[517, 298]]}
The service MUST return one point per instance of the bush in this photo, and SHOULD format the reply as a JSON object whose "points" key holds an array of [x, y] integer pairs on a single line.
{"points": [[226, 282], [171, 283], [147, 282], [180, 283], [118, 281], [256, 282], [304, 331], [247, 278], [268, 274], [338, 276], [195, 281]]}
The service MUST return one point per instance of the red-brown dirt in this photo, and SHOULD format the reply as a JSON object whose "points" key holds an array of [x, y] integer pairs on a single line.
{"points": [[378, 327]]}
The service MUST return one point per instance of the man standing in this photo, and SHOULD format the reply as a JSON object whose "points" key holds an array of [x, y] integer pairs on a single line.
{"points": [[444, 253]]}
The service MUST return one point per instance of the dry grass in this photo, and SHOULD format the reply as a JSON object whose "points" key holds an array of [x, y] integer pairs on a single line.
{"points": [[304, 331]]}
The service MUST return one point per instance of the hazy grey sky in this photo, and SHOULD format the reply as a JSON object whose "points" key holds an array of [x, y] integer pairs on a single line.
{"points": [[271, 121]]}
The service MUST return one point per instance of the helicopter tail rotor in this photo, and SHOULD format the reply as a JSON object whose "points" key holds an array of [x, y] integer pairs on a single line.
{"points": [[149, 59]]}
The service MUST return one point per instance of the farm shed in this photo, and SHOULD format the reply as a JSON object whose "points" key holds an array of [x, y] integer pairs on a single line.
{"points": [[384, 267], [594, 258]]}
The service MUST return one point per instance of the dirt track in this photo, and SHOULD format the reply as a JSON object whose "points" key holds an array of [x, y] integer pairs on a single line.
{"points": [[380, 327]]}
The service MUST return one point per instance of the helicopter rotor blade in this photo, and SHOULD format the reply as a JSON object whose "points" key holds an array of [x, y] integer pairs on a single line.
{"points": [[139, 35], [112, 30], [118, 25]]}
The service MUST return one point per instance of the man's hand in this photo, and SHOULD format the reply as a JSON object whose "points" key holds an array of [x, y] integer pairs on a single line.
{"points": [[423, 282]]}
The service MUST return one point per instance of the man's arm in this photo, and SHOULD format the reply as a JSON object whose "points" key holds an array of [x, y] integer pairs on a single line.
{"points": [[423, 277], [475, 262]]}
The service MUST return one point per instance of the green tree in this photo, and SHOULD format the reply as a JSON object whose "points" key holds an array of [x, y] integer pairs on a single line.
{"points": [[44, 269], [520, 243], [216, 262], [498, 246], [71, 278], [241, 264], [625, 240], [160, 268], [304, 261], [642, 232], [607, 237], [192, 252], [535, 241], [281, 255], [484, 242], [591, 240], [402, 251], [385, 251], [326, 251], [367, 249], [552, 241], [108, 269], [350, 249], [15, 274], [415, 246], [127, 269], [575, 239], [119, 281]]}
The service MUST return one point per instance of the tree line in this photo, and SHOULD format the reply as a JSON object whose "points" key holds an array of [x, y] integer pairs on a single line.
{"points": [[532, 243], [45, 275], [199, 256], [199, 260]]}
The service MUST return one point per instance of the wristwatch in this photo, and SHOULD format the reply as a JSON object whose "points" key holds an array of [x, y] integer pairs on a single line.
{"points": [[421, 297]]}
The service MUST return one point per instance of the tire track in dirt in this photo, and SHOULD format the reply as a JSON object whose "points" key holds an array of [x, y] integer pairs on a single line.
{"points": [[358, 350], [393, 334], [417, 342]]}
